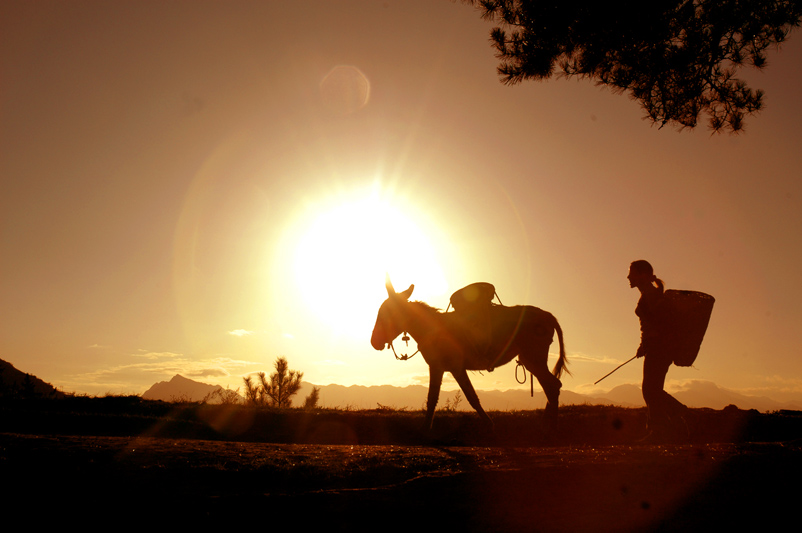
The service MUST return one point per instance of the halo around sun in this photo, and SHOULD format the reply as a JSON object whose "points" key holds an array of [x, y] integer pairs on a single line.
{"points": [[347, 244]]}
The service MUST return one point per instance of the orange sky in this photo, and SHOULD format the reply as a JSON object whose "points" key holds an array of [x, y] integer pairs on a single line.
{"points": [[183, 193]]}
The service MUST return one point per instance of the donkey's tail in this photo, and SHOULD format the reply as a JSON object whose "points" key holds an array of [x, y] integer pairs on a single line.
{"points": [[562, 361]]}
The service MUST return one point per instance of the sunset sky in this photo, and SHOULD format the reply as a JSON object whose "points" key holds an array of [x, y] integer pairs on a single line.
{"points": [[199, 187]]}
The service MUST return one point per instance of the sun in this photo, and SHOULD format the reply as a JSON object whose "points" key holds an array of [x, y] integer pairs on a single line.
{"points": [[349, 243]]}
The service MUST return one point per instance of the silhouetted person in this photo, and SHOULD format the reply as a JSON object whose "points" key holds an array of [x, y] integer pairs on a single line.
{"points": [[665, 416]]}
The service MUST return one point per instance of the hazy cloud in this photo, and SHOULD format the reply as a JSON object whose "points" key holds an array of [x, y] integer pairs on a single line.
{"points": [[209, 372], [231, 363], [240, 332], [152, 367], [218, 367], [602, 359], [777, 387], [157, 355]]}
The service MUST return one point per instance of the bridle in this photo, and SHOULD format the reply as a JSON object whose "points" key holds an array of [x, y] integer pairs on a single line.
{"points": [[403, 357], [405, 338]]}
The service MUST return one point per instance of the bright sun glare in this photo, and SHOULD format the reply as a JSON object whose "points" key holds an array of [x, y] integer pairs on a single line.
{"points": [[346, 248]]}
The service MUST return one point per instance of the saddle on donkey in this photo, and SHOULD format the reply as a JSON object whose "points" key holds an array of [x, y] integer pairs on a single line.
{"points": [[473, 306]]}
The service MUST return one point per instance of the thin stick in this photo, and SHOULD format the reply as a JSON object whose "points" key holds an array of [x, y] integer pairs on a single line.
{"points": [[616, 368]]}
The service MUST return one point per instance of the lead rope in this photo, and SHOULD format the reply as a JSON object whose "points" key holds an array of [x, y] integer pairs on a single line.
{"points": [[519, 364]]}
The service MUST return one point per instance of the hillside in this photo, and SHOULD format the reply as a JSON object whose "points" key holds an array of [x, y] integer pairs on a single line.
{"points": [[17, 384], [199, 464]]}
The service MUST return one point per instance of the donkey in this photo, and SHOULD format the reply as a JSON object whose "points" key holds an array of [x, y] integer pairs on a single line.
{"points": [[446, 344]]}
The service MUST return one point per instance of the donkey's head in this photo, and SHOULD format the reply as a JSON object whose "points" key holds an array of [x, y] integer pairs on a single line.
{"points": [[391, 320]]}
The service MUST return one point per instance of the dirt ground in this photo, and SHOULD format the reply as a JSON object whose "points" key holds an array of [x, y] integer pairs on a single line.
{"points": [[142, 482]]}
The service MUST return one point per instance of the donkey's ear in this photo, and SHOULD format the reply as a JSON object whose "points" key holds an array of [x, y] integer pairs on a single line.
{"points": [[388, 284], [407, 293]]}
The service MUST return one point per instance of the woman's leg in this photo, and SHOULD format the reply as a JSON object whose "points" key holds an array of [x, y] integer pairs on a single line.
{"points": [[663, 408], [654, 376]]}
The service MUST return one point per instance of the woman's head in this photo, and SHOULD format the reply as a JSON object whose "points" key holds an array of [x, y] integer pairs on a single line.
{"points": [[641, 273], [642, 266]]}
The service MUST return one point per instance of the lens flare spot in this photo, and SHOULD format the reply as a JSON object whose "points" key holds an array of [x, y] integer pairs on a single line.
{"points": [[344, 90]]}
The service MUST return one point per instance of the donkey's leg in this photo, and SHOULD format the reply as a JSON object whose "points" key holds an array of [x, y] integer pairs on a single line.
{"points": [[537, 364], [435, 380], [551, 387], [470, 394]]}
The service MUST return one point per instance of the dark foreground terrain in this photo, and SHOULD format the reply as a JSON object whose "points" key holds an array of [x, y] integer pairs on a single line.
{"points": [[123, 462]]}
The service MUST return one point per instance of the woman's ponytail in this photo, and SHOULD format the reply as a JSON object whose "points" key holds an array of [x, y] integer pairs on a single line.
{"points": [[646, 268]]}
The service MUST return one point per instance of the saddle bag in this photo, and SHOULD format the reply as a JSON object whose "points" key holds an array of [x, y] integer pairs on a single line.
{"points": [[472, 296], [690, 312], [473, 305]]}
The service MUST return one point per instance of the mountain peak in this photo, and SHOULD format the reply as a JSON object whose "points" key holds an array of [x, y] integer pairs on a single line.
{"points": [[178, 378], [180, 388]]}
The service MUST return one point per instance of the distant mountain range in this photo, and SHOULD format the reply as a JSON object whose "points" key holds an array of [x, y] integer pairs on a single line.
{"points": [[695, 394], [14, 383]]}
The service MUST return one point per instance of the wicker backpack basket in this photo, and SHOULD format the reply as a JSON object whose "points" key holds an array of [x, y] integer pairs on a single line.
{"points": [[691, 312]]}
